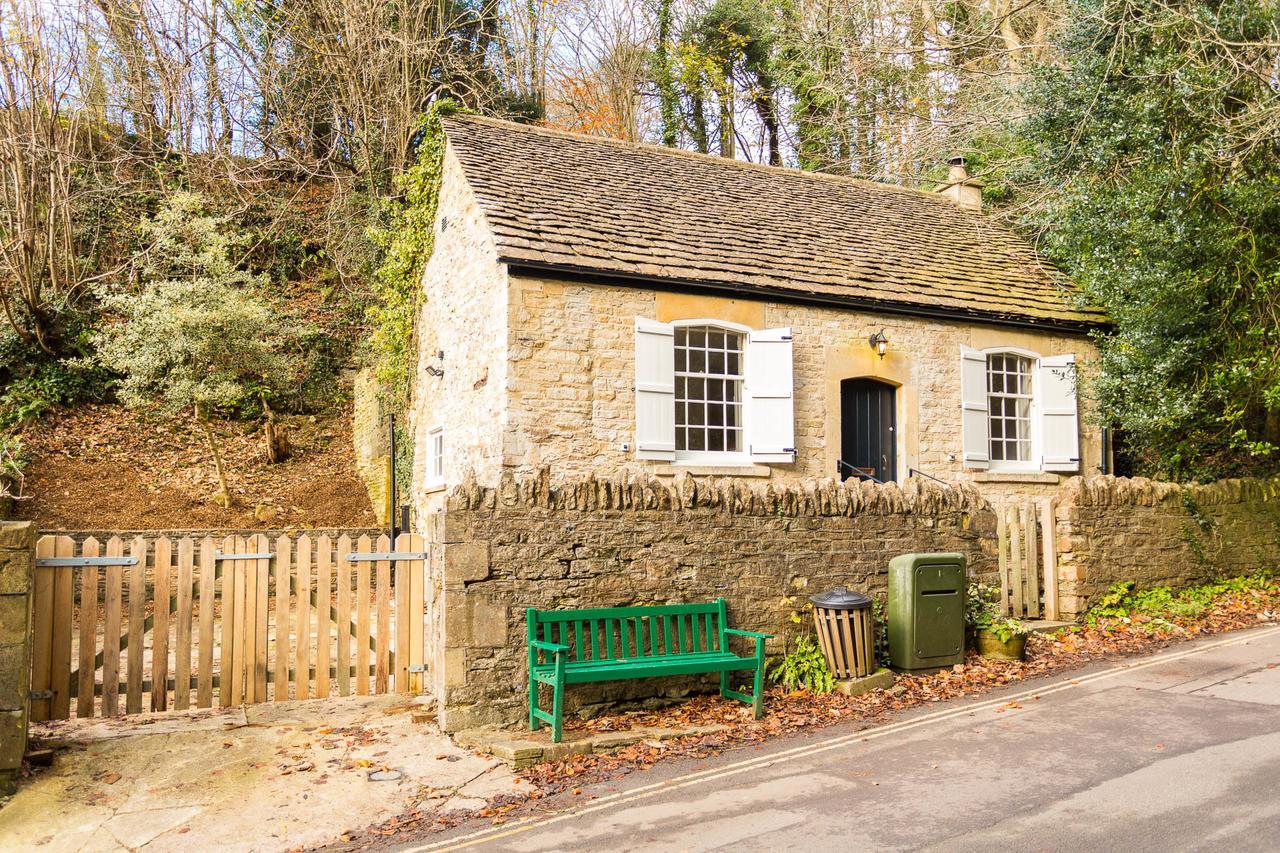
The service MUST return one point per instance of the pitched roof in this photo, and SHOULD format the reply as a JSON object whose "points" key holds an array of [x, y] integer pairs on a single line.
{"points": [[582, 204]]}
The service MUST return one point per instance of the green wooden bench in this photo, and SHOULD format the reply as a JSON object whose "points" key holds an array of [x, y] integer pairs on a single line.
{"points": [[622, 643]]}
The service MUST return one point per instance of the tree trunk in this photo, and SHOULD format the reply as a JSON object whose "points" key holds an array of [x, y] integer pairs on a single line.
{"points": [[224, 491], [275, 437]]}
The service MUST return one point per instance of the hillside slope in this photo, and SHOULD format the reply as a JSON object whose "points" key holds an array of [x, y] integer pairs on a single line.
{"points": [[107, 467]]}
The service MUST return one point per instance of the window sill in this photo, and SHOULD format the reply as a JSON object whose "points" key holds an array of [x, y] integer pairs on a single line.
{"points": [[1016, 477], [671, 469], [432, 488]]}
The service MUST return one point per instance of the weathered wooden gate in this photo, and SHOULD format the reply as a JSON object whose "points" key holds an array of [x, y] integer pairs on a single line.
{"points": [[250, 619], [1027, 560]]}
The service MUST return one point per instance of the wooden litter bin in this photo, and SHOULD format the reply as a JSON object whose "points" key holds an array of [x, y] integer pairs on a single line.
{"points": [[846, 632]]}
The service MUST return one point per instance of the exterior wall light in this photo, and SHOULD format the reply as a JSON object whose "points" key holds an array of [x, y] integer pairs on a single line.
{"points": [[879, 343]]}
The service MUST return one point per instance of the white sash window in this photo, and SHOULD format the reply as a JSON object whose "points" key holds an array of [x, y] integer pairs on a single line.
{"points": [[713, 392]]}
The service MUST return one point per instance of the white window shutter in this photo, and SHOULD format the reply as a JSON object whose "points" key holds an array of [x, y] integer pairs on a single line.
{"points": [[655, 390], [771, 430], [974, 422], [1059, 415]]}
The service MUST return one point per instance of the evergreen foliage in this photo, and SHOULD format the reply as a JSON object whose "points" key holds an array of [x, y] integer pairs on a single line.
{"points": [[1155, 151]]}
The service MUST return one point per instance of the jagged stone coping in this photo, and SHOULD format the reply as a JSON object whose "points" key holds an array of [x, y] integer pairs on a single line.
{"points": [[1141, 491], [816, 497]]}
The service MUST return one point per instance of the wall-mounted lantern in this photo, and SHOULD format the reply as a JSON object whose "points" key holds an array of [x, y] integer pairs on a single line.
{"points": [[879, 343]]}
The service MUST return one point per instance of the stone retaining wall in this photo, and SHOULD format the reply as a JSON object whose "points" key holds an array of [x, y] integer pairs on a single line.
{"points": [[605, 543], [765, 547], [17, 564], [1113, 529]]}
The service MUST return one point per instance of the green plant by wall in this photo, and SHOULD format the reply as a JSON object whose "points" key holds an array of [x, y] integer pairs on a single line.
{"points": [[407, 241], [1125, 604], [803, 668], [1198, 524], [982, 613]]}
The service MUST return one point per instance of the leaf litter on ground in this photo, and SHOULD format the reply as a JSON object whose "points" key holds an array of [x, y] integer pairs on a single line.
{"points": [[797, 711]]}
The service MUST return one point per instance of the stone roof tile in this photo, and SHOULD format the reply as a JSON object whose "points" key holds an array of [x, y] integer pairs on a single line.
{"points": [[610, 207]]}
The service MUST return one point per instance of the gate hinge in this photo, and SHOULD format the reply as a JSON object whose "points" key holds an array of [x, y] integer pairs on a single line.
{"points": [[418, 667], [40, 694]]}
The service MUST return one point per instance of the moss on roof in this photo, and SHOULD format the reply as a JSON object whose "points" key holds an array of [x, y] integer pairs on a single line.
{"points": [[584, 204]]}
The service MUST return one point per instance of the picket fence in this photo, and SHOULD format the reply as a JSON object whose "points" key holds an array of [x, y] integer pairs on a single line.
{"points": [[241, 618]]}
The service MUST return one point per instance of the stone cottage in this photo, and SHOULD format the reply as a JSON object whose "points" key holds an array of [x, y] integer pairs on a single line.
{"points": [[594, 306]]}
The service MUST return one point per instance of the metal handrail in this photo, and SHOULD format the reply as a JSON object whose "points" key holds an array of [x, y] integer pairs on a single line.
{"points": [[857, 472], [911, 472]]}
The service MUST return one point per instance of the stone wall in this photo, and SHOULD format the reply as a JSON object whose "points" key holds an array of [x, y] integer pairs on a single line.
{"points": [[1113, 529], [369, 437], [571, 400], [463, 317], [600, 543], [17, 563]]}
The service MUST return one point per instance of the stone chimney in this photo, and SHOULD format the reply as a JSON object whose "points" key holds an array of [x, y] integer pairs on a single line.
{"points": [[960, 188]]}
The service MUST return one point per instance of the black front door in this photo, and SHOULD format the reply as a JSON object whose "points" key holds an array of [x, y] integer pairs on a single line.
{"points": [[868, 423]]}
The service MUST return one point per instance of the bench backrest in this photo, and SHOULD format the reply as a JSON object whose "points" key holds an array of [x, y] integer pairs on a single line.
{"points": [[626, 633]]}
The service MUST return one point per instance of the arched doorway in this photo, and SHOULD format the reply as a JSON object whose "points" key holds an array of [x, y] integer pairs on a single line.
{"points": [[868, 430]]}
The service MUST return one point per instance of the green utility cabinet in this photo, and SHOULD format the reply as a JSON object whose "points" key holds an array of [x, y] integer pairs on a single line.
{"points": [[926, 611]]}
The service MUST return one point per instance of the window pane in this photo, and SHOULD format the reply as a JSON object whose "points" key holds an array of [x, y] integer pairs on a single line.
{"points": [[715, 340], [715, 440], [682, 336], [696, 389], [735, 441], [697, 337], [731, 415], [681, 360], [680, 419], [696, 440], [715, 415], [715, 389], [715, 362], [733, 364], [997, 426], [697, 414], [697, 361]]}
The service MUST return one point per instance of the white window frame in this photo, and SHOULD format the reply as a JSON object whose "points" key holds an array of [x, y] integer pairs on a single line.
{"points": [[434, 472], [740, 457], [1033, 464]]}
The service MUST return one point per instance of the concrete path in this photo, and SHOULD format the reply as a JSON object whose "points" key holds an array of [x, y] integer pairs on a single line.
{"points": [[264, 777], [1177, 751]]}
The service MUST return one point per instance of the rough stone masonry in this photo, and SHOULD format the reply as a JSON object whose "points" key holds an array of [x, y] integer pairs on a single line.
{"points": [[765, 547], [17, 565], [610, 543]]}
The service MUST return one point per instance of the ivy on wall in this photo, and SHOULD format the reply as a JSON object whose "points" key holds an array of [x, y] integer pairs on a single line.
{"points": [[407, 239]]}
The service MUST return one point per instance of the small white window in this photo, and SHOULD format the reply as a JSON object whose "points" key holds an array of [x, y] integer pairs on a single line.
{"points": [[709, 375], [435, 456], [1009, 398]]}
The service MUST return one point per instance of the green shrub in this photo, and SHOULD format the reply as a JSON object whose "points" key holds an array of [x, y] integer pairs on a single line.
{"points": [[1159, 604], [803, 668], [982, 613], [13, 458]]}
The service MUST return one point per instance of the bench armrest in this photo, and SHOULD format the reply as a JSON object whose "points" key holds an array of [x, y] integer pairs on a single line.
{"points": [[555, 648], [755, 634]]}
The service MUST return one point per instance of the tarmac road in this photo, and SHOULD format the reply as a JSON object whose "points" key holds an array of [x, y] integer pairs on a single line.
{"points": [[1178, 751]]}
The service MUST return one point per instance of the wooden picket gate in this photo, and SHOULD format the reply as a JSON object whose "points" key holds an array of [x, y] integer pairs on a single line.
{"points": [[1026, 547], [242, 617]]}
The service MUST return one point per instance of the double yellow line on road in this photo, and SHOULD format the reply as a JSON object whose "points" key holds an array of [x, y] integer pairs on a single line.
{"points": [[623, 798]]}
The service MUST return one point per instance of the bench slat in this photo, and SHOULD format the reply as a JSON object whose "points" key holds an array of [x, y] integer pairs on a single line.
{"points": [[632, 669], [623, 612]]}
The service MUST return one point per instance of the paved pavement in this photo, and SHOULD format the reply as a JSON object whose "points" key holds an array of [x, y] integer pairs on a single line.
{"points": [[266, 777], [1177, 751]]}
